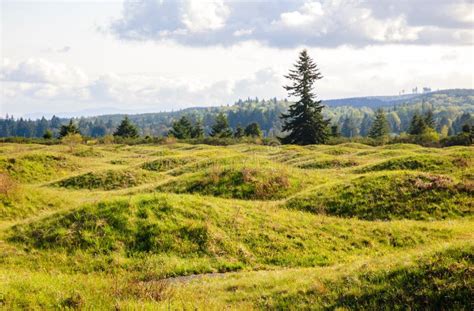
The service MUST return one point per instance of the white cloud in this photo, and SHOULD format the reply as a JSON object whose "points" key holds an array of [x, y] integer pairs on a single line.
{"points": [[43, 85], [309, 13], [284, 23], [38, 70], [207, 15]]}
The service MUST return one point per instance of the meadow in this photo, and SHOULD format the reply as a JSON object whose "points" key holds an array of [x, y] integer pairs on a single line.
{"points": [[183, 226]]}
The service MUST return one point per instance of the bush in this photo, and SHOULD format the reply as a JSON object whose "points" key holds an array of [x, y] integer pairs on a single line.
{"points": [[462, 139], [71, 140], [7, 185]]}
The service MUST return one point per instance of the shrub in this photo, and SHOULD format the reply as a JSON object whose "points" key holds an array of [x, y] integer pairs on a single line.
{"points": [[462, 139], [71, 140], [7, 185]]}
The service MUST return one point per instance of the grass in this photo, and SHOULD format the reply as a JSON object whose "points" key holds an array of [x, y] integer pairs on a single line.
{"points": [[239, 227], [394, 195], [106, 180]]}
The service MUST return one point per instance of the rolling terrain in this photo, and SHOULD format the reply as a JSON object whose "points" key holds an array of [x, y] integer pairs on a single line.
{"points": [[183, 226]]}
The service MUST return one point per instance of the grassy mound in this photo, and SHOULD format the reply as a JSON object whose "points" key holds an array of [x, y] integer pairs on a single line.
{"points": [[166, 163], [424, 163], [326, 164], [23, 201], [105, 180], [443, 280], [251, 183], [337, 150], [391, 196], [36, 167], [213, 229], [212, 163], [88, 153], [115, 226]]}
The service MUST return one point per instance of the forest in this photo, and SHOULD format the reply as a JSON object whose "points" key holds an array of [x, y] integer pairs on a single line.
{"points": [[451, 110]]}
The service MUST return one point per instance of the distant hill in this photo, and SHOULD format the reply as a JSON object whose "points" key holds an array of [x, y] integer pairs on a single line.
{"points": [[387, 101]]}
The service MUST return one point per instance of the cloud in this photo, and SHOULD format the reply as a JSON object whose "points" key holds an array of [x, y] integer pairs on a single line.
{"points": [[38, 84], [37, 70], [284, 23], [200, 16]]}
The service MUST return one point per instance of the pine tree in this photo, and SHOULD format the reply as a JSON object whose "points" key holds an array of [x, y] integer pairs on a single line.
{"points": [[304, 120], [126, 129], [239, 132], [335, 130], [197, 131], [68, 129], [429, 119], [349, 129], [181, 129], [48, 134], [221, 127], [379, 127], [417, 125], [365, 125], [253, 130]]}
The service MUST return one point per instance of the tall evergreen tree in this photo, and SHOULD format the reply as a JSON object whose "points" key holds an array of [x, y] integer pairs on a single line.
{"points": [[417, 125], [380, 126], [55, 122], [41, 127], [70, 128], [304, 120], [429, 119], [239, 131], [48, 134], [197, 131], [221, 127], [365, 125], [126, 129], [349, 128], [253, 130], [181, 129], [335, 130]]}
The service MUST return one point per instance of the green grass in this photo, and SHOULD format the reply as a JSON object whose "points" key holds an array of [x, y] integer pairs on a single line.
{"points": [[246, 180], [34, 167], [106, 180], [434, 282], [394, 195], [424, 163], [239, 227]]}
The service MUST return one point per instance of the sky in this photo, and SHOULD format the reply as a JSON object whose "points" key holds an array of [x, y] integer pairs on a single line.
{"points": [[89, 57]]}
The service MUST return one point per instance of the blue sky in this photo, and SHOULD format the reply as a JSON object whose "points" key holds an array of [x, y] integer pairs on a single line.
{"points": [[155, 55]]}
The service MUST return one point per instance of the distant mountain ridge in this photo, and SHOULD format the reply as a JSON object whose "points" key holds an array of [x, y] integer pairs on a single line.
{"points": [[387, 101], [373, 102]]}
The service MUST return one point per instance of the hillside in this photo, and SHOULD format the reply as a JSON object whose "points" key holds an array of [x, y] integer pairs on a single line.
{"points": [[451, 109], [181, 226]]}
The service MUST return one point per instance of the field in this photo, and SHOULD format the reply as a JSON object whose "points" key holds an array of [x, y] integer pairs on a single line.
{"points": [[182, 226]]}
